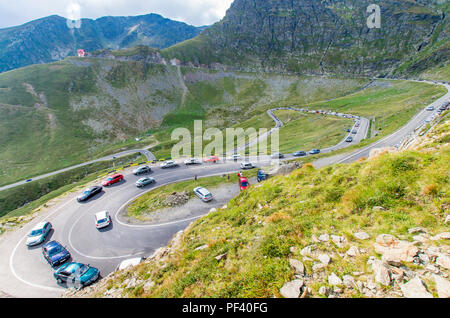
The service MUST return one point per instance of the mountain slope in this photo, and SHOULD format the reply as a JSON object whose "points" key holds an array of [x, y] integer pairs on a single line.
{"points": [[307, 226], [318, 36], [49, 39]]}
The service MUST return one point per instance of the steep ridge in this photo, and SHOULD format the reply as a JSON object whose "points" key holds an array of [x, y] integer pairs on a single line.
{"points": [[50, 39], [329, 36]]}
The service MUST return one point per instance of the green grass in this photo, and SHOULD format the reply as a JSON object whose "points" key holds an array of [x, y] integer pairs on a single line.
{"points": [[258, 228]]}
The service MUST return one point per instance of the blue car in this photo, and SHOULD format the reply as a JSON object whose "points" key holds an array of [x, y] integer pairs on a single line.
{"points": [[80, 275], [314, 152], [55, 253], [299, 154], [261, 175]]}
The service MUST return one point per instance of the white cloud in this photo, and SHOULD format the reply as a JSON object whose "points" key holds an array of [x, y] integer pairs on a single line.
{"points": [[195, 12]]}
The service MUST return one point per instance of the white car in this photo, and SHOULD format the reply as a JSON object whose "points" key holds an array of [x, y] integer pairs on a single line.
{"points": [[430, 108], [203, 194], [247, 165], [130, 262], [39, 233], [192, 161], [102, 219], [235, 157], [168, 164]]}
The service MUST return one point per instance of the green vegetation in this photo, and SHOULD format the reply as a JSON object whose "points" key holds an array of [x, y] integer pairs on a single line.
{"points": [[145, 205], [261, 229]]}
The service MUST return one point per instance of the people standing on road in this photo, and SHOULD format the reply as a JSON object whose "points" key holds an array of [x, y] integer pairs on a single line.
{"points": [[228, 177], [195, 177]]}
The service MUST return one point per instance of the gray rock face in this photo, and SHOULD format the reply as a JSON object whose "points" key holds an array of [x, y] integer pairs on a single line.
{"points": [[381, 272], [298, 266], [334, 280], [318, 36]]}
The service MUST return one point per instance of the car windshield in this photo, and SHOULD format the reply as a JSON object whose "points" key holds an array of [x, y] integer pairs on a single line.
{"points": [[86, 191], [35, 233], [102, 220], [109, 179], [244, 183], [55, 250]]}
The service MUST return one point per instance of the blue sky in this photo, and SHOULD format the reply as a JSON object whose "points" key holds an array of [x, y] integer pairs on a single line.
{"points": [[195, 12]]}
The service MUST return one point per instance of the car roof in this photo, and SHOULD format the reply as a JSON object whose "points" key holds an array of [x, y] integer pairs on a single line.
{"points": [[39, 226], [101, 215], [52, 244]]}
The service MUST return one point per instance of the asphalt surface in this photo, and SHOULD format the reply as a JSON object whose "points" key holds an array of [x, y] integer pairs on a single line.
{"points": [[25, 273]]}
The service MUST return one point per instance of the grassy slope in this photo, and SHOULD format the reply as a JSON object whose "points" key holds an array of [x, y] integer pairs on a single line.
{"points": [[259, 227]]}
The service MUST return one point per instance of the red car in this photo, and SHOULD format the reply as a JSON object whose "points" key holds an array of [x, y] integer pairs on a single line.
{"points": [[112, 179], [243, 183], [213, 159]]}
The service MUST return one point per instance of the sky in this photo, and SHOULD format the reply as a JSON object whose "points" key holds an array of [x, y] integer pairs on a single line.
{"points": [[194, 12]]}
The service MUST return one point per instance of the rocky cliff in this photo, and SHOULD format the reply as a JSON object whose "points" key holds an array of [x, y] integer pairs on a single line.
{"points": [[320, 36]]}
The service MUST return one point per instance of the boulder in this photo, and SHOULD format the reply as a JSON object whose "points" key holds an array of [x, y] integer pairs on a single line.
{"points": [[324, 238], [349, 281], [361, 235], [334, 280], [441, 236], [298, 266], [417, 230], [324, 290], [353, 251], [395, 251], [338, 240], [381, 272], [415, 288], [443, 261], [442, 286], [306, 251], [447, 219], [203, 247], [324, 259], [292, 289]]}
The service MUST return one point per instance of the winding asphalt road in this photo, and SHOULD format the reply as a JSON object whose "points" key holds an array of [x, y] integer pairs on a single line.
{"points": [[25, 273]]}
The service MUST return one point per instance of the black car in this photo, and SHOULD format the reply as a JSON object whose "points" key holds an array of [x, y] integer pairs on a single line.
{"points": [[89, 193], [278, 155], [349, 139]]}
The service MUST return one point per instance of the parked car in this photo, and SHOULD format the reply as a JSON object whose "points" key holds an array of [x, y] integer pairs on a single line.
{"points": [[235, 157], [168, 164], [314, 152], [39, 233], [247, 165], [349, 139], [203, 194], [88, 193], [354, 132], [277, 155], [142, 170], [213, 159], [243, 183], [192, 161], [144, 182], [299, 154], [102, 219], [112, 180], [78, 274], [55, 253], [349, 130], [430, 108], [261, 176], [130, 262]]}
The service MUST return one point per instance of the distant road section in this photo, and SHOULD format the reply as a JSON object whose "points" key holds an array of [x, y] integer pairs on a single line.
{"points": [[145, 152]]}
